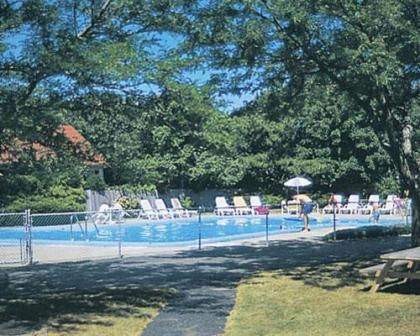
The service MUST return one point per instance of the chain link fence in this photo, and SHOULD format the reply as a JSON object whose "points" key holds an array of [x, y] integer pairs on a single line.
{"points": [[26, 238], [15, 243], [79, 236]]}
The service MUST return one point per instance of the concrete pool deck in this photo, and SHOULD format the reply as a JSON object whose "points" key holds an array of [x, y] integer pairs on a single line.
{"points": [[205, 280]]}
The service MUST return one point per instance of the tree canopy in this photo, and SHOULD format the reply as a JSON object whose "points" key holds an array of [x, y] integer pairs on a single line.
{"points": [[336, 86]]}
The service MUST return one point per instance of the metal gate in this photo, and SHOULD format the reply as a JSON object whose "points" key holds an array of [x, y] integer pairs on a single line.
{"points": [[15, 242]]}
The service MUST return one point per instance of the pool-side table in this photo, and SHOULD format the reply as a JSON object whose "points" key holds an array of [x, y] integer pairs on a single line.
{"points": [[411, 256]]}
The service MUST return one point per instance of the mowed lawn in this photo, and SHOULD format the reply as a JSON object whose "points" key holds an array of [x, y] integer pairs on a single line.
{"points": [[114, 311], [323, 303]]}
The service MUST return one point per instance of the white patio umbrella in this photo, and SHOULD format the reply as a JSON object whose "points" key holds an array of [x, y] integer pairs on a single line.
{"points": [[297, 182]]}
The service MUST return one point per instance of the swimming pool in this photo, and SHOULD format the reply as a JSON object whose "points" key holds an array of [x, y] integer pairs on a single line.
{"points": [[177, 231]]}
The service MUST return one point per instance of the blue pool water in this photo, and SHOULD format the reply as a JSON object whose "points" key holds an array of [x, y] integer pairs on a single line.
{"points": [[176, 231]]}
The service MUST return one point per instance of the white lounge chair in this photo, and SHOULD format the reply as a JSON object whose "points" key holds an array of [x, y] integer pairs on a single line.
{"points": [[283, 206], [241, 208], [222, 207], [179, 209], [148, 211], [293, 206], [257, 206], [389, 206], [103, 215], [352, 206], [373, 201], [117, 211], [255, 202], [329, 208], [162, 209]]}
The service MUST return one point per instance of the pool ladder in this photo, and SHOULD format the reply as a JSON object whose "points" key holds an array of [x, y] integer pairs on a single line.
{"points": [[75, 220]]}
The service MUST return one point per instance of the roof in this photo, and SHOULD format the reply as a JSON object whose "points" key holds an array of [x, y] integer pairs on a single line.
{"points": [[74, 138]]}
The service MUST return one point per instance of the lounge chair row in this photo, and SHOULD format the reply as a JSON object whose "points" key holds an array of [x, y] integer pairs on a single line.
{"points": [[392, 205], [161, 210], [239, 207]]}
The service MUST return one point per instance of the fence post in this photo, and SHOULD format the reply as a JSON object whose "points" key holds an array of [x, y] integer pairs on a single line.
{"points": [[28, 232], [199, 228], [266, 229], [119, 221], [334, 220]]}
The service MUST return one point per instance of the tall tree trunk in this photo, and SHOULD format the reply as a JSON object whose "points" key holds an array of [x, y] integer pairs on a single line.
{"points": [[415, 215], [410, 173], [400, 148]]}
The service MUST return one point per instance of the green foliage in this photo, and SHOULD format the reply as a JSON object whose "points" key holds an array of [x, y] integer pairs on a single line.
{"points": [[58, 199], [273, 200], [129, 202], [187, 202], [134, 188], [388, 185], [95, 182], [323, 199], [372, 231], [336, 82]]}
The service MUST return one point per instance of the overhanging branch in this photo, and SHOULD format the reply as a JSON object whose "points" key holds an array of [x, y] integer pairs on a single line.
{"points": [[94, 19]]}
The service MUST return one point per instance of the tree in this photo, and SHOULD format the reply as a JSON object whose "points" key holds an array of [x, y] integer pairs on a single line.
{"points": [[318, 137], [154, 139], [369, 49], [53, 53]]}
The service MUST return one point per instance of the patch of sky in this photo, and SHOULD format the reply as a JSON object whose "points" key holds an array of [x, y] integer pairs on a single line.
{"points": [[15, 40], [154, 45]]}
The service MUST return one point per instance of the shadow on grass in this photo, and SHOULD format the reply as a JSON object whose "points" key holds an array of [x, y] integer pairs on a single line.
{"points": [[408, 288], [205, 281], [67, 310]]}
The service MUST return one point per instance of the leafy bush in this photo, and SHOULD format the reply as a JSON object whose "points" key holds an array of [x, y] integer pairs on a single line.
{"points": [[58, 199], [323, 199], [129, 202], [188, 202], [388, 185], [134, 188], [273, 200], [372, 231], [94, 182]]}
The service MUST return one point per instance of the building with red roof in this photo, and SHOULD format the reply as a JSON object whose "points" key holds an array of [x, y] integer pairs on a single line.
{"points": [[77, 141]]}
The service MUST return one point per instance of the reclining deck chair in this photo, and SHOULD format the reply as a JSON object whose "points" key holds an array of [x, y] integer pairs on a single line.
{"points": [[162, 209], [352, 206], [179, 209], [222, 207], [241, 208], [389, 207], [373, 201], [148, 211], [293, 206], [103, 215], [257, 206], [329, 208]]}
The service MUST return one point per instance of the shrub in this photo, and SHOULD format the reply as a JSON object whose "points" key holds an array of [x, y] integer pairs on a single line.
{"points": [[371, 231], [134, 188], [58, 199], [94, 182], [188, 202], [273, 200], [129, 203], [323, 200]]}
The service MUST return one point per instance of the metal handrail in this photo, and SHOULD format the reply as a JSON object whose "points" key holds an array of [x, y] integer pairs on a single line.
{"points": [[72, 218]]}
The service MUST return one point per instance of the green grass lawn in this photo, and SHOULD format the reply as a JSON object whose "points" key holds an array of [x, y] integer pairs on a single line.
{"points": [[322, 302], [121, 311]]}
